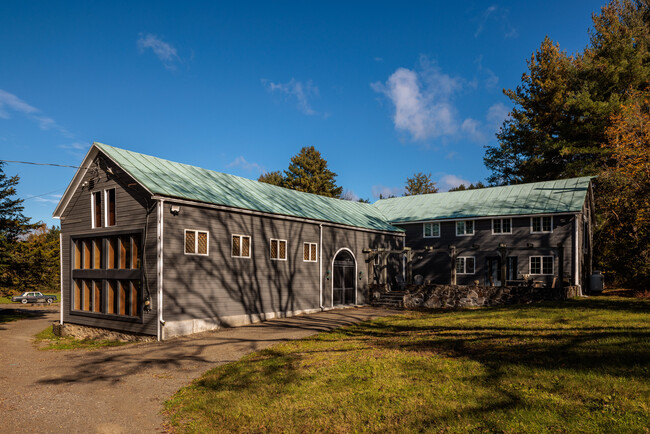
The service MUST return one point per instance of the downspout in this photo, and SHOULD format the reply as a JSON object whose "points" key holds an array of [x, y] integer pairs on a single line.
{"points": [[404, 259], [320, 267], [576, 256], [159, 266], [61, 274]]}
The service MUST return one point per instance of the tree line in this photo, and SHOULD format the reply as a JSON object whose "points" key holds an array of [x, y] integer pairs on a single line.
{"points": [[29, 253]]}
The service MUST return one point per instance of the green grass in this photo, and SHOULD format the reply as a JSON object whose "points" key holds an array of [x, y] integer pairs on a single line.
{"points": [[7, 300], [47, 340], [576, 366]]}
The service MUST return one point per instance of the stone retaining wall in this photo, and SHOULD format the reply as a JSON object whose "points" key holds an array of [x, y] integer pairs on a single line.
{"points": [[457, 296], [85, 332]]}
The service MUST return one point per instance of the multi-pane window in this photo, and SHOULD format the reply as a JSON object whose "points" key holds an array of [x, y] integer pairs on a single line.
{"points": [[278, 250], [541, 224], [431, 230], [465, 265], [501, 226], [196, 242], [96, 209], [104, 288], [241, 246], [541, 265], [465, 227], [309, 252], [110, 207]]}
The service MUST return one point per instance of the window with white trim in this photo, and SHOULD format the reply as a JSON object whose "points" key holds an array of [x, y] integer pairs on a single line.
{"points": [[465, 227], [109, 218], [541, 224], [309, 252], [431, 230], [241, 246], [278, 250], [196, 242], [465, 264], [541, 265], [96, 209], [501, 226]]}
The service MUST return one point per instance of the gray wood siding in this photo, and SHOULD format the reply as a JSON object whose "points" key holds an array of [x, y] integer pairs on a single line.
{"points": [[131, 201], [436, 266], [219, 285]]}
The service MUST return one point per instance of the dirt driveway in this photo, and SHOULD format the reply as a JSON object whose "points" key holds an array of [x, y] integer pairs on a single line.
{"points": [[121, 389]]}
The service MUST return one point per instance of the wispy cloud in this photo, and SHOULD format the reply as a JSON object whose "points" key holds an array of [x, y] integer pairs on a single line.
{"points": [[490, 79], [246, 165], [379, 59], [165, 52], [296, 90], [10, 103], [482, 132], [421, 98], [385, 191], [78, 146], [501, 17], [450, 181]]}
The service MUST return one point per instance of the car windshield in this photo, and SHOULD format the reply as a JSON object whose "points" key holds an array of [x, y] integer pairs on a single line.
{"points": [[25, 294]]}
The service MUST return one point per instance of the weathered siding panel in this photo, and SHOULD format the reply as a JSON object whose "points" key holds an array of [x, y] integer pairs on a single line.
{"points": [[131, 216]]}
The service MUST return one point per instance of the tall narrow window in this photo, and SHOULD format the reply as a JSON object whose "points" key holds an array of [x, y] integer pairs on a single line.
{"points": [[77, 294], [112, 253], [110, 296], [279, 250], [97, 296], [77, 254], [125, 251], [97, 253], [309, 252], [86, 297], [196, 242], [110, 207], [241, 246], [96, 207], [87, 248], [135, 298], [135, 252], [432, 230], [123, 285]]}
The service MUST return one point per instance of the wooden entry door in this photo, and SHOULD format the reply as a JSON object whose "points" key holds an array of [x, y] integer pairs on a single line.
{"points": [[343, 279], [493, 271]]}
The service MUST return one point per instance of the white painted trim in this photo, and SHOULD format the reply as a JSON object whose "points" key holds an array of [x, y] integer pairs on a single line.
{"points": [[576, 257], [541, 225], [410, 222], [320, 267], [286, 253], [196, 242], [502, 232], [424, 232], [277, 216], [61, 275], [465, 226], [465, 265], [159, 243], [303, 251], [541, 265], [250, 246], [355, 273]]}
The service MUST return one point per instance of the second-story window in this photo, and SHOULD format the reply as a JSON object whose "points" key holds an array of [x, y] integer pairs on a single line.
{"points": [[279, 250], [465, 227], [501, 226], [309, 252], [241, 246], [431, 230], [541, 224], [96, 209], [110, 207], [196, 242]]}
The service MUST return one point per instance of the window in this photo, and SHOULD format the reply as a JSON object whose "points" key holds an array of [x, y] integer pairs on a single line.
{"points": [[541, 265], [196, 242], [96, 209], [432, 230], [541, 224], [465, 227], [278, 250], [241, 246], [309, 252], [110, 207], [465, 265], [501, 226]]}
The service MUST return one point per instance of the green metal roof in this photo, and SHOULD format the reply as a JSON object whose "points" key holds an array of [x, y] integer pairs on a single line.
{"points": [[176, 180], [561, 196]]}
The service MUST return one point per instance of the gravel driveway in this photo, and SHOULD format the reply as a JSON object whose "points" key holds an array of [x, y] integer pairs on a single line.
{"points": [[121, 389]]}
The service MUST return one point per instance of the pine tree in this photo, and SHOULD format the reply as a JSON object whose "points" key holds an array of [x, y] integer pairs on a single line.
{"points": [[420, 183], [273, 178], [463, 187], [308, 172]]}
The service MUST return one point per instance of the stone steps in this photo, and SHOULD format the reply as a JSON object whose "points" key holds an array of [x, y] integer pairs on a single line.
{"points": [[392, 299]]}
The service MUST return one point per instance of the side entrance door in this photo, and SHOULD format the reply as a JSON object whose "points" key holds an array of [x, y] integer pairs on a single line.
{"points": [[344, 281]]}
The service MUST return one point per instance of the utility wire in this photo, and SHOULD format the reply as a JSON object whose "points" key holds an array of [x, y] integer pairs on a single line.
{"points": [[44, 194], [43, 164]]}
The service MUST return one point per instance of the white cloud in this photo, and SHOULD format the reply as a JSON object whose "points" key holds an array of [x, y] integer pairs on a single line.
{"points": [[386, 191], [482, 132], [496, 114], [451, 181], [164, 51], [77, 146], [501, 16], [379, 59], [302, 92], [11, 103], [247, 166], [421, 100], [474, 130]]}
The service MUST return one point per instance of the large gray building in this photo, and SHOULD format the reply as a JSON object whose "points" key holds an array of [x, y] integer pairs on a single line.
{"points": [[161, 248]]}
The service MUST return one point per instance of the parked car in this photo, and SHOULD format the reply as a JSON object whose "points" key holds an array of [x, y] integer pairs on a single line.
{"points": [[34, 297]]}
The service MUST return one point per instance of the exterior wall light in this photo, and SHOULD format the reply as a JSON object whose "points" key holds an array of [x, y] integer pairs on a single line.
{"points": [[175, 209]]}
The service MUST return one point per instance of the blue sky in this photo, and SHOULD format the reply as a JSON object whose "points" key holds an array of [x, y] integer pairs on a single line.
{"points": [[381, 89]]}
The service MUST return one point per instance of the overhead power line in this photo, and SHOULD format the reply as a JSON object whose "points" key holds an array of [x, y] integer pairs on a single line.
{"points": [[41, 164]]}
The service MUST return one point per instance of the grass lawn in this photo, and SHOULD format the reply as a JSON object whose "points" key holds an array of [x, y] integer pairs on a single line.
{"points": [[7, 300], [581, 365], [47, 340]]}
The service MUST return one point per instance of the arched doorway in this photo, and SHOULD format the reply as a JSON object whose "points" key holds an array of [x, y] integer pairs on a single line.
{"points": [[344, 284]]}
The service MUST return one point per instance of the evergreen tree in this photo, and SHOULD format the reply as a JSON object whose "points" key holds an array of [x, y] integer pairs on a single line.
{"points": [[420, 183], [273, 178], [35, 265], [463, 187], [308, 172]]}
